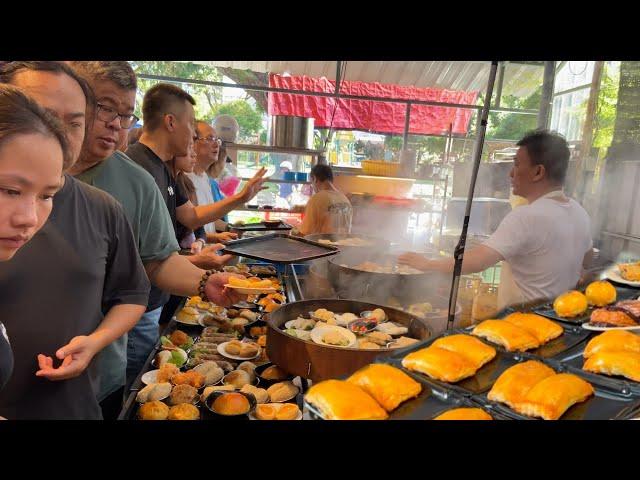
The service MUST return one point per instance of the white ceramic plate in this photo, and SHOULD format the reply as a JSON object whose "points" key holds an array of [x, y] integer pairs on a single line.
{"points": [[320, 330], [251, 291], [150, 377], [613, 274], [587, 326], [252, 415], [222, 350]]}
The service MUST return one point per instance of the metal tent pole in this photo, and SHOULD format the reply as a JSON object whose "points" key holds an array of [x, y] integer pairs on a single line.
{"points": [[477, 155]]}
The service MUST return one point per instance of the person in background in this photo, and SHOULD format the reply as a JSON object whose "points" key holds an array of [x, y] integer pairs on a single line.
{"points": [[328, 210], [83, 265], [285, 188], [546, 243], [100, 165], [33, 153]]}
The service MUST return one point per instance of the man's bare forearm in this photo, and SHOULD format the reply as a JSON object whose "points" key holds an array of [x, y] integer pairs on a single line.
{"points": [[175, 275]]}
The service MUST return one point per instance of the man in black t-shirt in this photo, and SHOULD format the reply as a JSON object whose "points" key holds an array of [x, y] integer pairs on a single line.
{"points": [[169, 127], [77, 285]]}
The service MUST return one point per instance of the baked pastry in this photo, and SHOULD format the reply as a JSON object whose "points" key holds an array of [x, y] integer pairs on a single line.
{"points": [[613, 341], [183, 394], [239, 322], [570, 304], [281, 392], [478, 352], [192, 377], [209, 390], [363, 343], [542, 328], [626, 364], [154, 410], [249, 350], [260, 393], [184, 411], [211, 372], [553, 396], [248, 367], [600, 293], [274, 372], [192, 301], [464, 414], [237, 378], [266, 412], [167, 371], [188, 315], [154, 391], [262, 341], [623, 314], [440, 364], [402, 342], [515, 382], [380, 338], [287, 411], [340, 400], [630, 271], [231, 404], [179, 338], [387, 385], [233, 347], [510, 336]]}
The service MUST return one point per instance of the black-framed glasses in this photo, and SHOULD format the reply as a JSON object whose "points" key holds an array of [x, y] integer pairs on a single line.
{"points": [[108, 114]]}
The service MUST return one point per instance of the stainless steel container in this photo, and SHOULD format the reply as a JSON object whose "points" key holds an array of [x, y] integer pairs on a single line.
{"points": [[289, 131]]}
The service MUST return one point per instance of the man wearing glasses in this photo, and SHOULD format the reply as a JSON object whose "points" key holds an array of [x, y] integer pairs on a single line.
{"points": [[101, 165]]}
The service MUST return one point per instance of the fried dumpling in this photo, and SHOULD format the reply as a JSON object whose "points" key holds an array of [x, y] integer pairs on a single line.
{"points": [[510, 336], [515, 382], [466, 345], [553, 396], [464, 414], [613, 341], [626, 364], [341, 400], [387, 385], [542, 328], [440, 364]]}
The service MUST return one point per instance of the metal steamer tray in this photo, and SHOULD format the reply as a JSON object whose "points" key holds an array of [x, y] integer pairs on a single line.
{"points": [[546, 309], [573, 360], [279, 248], [609, 402], [261, 227], [431, 402]]}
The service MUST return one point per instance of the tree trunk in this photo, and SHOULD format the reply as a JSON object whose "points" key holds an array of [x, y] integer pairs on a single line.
{"points": [[247, 77]]}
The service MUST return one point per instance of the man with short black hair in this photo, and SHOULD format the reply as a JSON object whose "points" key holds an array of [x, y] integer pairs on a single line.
{"points": [[546, 243], [78, 285], [328, 210], [101, 165]]}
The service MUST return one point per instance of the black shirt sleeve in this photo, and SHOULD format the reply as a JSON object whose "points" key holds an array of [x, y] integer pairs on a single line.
{"points": [[126, 280]]}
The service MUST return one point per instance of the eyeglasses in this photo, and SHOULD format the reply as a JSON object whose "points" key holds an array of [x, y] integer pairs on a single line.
{"points": [[108, 114], [210, 139]]}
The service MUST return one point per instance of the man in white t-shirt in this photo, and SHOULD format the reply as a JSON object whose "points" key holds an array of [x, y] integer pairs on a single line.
{"points": [[207, 148], [546, 243]]}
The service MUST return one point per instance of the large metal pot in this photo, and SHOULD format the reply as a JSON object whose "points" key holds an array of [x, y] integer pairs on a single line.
{"points": [[321, 362], [290, 131]]}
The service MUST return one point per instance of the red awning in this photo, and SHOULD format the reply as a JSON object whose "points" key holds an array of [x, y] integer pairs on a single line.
{"points": [[367, 115]]}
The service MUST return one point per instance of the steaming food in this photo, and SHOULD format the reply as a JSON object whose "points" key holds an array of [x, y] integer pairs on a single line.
{"points": [[374, 267], [301, 334], [402, 342], [347, 242], [301, 324], [345, 318], [420, 309], [335, 338], [324, 315], [391, 328]]}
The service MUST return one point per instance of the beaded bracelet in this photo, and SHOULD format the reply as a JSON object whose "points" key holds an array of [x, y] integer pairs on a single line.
{"points": [[203, 282]]}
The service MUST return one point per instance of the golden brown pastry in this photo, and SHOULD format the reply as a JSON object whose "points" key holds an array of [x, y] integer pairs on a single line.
{"points": [[542, 328], [188, 315], [630, 271], [553, 396], [233, 347], [237, 378], [262, 340], [184, 411], [506, 334], [387, 385], [154, 391], [287, 411], [178, 337], [464, 414], [211, 371], [478, 352], [340, 400], [155, 410], [249, 350], [600, 293], [613, 341], [191, 377], [274, 373], [281, 392], [610, 316], [626, 364], [183, 394], [570, 304], [266, 412], [231, 404], [167, 371], [515, 382], [440, 364], [363, 343]]}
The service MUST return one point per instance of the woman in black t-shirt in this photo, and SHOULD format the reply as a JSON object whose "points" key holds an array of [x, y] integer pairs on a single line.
{"points": [[33, 153]]}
